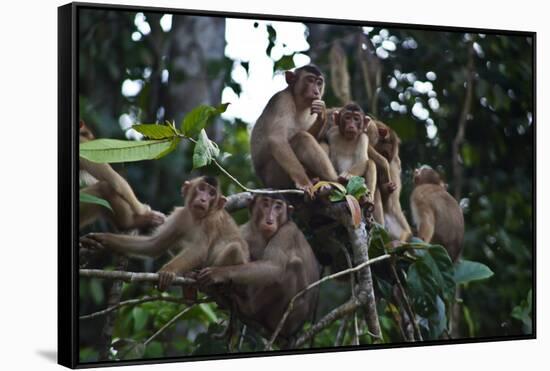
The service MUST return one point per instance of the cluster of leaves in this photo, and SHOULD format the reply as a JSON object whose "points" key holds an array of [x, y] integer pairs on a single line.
{"points": [[161, 140], [430, 279]]}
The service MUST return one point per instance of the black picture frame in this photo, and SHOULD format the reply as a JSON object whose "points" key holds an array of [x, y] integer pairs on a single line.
{"points": [[68, 169]]}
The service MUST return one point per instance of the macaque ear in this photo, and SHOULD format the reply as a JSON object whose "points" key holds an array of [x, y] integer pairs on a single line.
{"points": [[383, 132], [186, 185], [336, 117], [289, 209], [366, 121], [290, 77], [81, 124], [221, 202]]}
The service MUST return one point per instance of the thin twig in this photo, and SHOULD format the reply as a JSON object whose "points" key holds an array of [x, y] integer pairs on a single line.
{"points": [[290, 305], [408, 307], [168, 324], [145, 299]]}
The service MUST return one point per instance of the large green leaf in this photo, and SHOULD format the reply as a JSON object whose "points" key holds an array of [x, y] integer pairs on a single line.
{"points": [[199, 118], [205, 150], [90, 199], [466, 271], [432, 274], [114, 150], [140, 318], [155, 131]]}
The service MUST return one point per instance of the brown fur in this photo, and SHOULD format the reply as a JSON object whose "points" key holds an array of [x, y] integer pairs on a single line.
{"points": [[283, 142], [203, 237], [436, 213], [282, 264]]}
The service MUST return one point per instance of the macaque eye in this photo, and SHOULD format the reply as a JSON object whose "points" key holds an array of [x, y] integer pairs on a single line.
{"points": [[212, 193]]}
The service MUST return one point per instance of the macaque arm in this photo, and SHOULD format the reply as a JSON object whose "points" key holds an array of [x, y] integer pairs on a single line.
{"points": [[106, 173], [325, 147], [284, 155], [426, 226], [380, 161], [317, 128], [154, 245], [191, 257], [257, 273]]}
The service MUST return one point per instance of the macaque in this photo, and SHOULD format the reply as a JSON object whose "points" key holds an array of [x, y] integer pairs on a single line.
{"points": [[103, 182], [387, 209], [436, 213], [282, 264], [347, 145], [283, 142], [202, 232]]}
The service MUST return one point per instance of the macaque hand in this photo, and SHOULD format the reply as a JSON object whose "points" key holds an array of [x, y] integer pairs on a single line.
{"points": [[389, 187], [92, 241], [306, 187], [318, 107], [166, 277], [212, 275], [150, 218]]}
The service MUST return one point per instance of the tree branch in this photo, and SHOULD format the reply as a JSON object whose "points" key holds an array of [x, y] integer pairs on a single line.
{"points": [[290, 306], [461, 132], [131, 276]]}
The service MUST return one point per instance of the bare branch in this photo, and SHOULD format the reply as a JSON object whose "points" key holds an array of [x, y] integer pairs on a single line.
{"points": [[131, 276], [290, 306], [168, 324], [461, 132]]}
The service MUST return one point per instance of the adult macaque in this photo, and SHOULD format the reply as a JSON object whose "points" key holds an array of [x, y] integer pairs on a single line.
{"points": [[103, 182], [202, 231], [436, 213], [387, 210], [282, 264], [283, 142], [347, 145]]}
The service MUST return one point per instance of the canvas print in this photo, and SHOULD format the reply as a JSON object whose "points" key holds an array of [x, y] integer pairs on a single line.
{"points": [[256, 185]]}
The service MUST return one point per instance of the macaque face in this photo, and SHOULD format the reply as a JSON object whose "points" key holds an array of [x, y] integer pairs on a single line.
{"points": [[201, 197], [269, 214], [351, 124], [312, 86]]}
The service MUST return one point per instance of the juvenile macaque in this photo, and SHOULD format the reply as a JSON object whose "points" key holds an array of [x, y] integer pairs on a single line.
{"points": [[103, 182], [202, 232], [347, 145], [283, 142], [282, 263], [437, 215], [387, 210]]}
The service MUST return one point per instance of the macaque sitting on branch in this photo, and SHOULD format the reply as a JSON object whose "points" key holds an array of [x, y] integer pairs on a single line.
{"points": [[282, 264], [202, 232], [283, 143], [387, 209], [347, 145], [103, 182], [437, 215]]}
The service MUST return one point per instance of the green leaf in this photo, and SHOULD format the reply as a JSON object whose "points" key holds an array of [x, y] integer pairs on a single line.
{"points": [[173, 145], [155, 131], [199, 118], [285, 63], [336, 195], [356, 187], [205, 151], [466, 271], [140, 318], [91, 199], [432, 274], [207, 309], [379, 239], [114, 150]]}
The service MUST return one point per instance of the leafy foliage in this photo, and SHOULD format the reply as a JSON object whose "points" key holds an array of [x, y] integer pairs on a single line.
{"points": [[91, 199]]}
